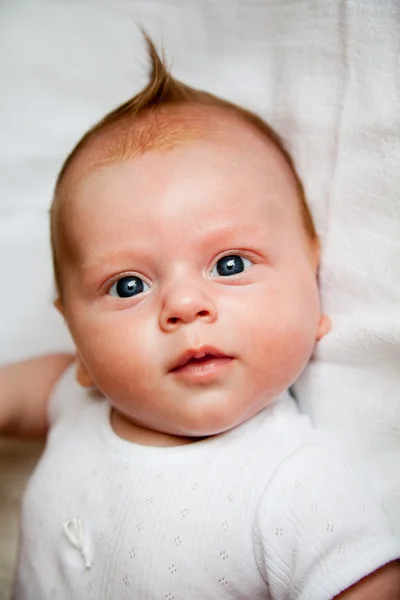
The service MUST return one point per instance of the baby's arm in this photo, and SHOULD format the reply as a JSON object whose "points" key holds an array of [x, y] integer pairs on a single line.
{"points": [[383, 584], [24, 393]]}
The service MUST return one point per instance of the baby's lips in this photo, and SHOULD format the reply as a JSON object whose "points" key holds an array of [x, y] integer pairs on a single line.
{"points": [[197, 353]]}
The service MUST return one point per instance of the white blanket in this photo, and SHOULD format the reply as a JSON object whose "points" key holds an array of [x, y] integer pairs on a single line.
{"points": [[325, 74]]}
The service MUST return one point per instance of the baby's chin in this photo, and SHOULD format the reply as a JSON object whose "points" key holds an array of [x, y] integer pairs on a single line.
{"points": [[145, 435], [191, 417], [213, 426]]}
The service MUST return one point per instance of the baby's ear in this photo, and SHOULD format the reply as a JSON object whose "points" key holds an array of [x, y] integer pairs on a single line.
{"points": [[59, 305], [324, 326], [82, 376]]}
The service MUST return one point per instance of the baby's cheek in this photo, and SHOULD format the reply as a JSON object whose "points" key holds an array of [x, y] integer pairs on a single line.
{"points": [[297, 351], [281, 352], [132, 367]]}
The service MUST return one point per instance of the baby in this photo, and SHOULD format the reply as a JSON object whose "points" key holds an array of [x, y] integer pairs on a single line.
{"points": [[186, 267]]}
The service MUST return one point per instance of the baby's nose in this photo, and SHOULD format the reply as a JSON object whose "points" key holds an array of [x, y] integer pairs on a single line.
{"points": [[182, 307]]}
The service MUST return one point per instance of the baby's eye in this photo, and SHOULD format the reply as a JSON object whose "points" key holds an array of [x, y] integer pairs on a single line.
{"points": [[128, 286], [230, 265]]}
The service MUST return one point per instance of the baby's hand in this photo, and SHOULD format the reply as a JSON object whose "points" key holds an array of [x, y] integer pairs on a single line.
{"points": [[24, 393], [384, 584]]}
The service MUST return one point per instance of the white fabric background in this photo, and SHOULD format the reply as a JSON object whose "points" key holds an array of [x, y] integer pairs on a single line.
{"points": [[325, 74]]}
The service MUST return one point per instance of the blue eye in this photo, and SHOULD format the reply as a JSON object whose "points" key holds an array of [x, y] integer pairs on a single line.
{"points": [[230, 265], [128, 286]]}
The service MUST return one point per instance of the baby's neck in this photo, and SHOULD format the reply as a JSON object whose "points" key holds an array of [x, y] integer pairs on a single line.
{"points": [[136, 434]]}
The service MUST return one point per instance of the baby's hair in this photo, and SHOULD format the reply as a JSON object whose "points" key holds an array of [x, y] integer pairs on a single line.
{"points": [[154, 120]]}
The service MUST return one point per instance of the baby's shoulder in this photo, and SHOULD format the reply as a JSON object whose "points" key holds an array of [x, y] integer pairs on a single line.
{"points": [[69, 400], [319, 516], [274, 449], [281, 431]]}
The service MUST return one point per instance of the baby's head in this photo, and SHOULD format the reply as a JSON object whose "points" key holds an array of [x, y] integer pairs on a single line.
{"points": [[186, 262]]}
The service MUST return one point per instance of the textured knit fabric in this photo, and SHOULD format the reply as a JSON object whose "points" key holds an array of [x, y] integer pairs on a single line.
{"points": [[262, 511]]}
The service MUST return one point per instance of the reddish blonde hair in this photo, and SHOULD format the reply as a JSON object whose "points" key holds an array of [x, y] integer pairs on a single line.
{"points": [[135, 127]]}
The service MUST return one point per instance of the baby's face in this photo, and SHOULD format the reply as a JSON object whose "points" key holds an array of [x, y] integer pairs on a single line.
{"points": [[191, 290]]}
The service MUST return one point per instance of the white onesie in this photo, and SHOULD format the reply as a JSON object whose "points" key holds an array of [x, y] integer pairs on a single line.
{"points": [[263, 511]]}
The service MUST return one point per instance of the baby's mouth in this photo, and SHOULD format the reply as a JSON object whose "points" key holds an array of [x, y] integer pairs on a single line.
{"points": [[198, 356], [200, 363]]}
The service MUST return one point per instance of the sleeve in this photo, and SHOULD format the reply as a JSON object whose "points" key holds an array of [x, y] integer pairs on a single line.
{"points": [[317, 530]]}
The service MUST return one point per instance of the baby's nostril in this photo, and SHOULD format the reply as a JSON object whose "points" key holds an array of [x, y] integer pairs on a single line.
{"points": [[202, 313], [173, 320]]}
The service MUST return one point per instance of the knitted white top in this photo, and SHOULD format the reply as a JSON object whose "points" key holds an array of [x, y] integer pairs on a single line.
{"points": [[262, 511]]}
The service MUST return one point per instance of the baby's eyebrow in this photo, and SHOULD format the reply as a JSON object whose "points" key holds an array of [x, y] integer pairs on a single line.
{"points": [[112, 258], [234, 232]]}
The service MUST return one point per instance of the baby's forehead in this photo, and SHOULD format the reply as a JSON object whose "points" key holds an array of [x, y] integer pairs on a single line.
{"points": [[164, 130], [204, 187], [213, 177]]}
